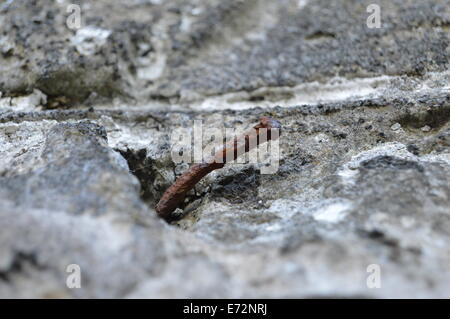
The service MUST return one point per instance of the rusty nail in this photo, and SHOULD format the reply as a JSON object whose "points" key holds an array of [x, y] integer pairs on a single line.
{"points": [[176, 193]]}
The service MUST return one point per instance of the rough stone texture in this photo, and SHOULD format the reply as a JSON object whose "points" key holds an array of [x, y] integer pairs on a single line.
{"points": [[86, 118]]}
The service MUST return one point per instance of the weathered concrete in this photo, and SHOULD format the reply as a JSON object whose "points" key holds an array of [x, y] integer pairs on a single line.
{"points": [[364, 174]]}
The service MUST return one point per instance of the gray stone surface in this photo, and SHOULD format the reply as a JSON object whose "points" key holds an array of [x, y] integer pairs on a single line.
{"points": [[364, 174]]}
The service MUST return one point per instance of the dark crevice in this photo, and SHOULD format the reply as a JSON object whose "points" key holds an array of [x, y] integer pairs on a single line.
{"points": [[393, 244], [380, 237], [390, 162], [18, 264], [434, 118], [142, 167], [320, 35]]}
